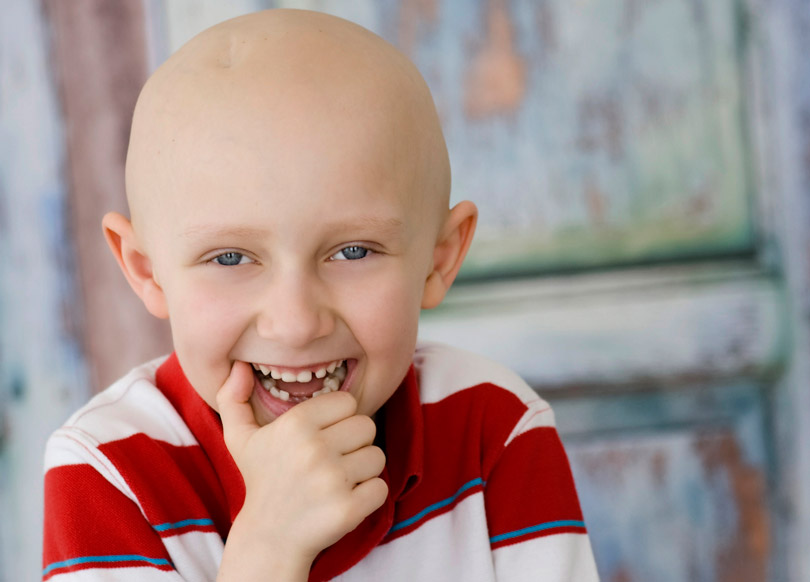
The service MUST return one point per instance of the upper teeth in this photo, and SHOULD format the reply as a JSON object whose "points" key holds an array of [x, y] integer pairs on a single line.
{"points": [[305, 376]]}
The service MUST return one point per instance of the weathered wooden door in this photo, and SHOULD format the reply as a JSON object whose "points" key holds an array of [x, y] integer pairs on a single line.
{"points": [[630, 266]]}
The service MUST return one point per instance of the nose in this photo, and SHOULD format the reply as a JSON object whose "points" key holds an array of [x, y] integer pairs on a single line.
{"points": [[294, 311]]}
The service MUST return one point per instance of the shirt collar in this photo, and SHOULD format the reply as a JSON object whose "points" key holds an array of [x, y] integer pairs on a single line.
{"points": [[404, 436], [400, 420], [206, 426]]}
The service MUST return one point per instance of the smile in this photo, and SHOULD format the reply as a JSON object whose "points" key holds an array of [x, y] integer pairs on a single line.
{"points": [[301, 384]]}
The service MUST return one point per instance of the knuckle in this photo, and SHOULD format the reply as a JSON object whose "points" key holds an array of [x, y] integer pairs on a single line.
{"points": [[314, 458], [377, 457], [292, 422], [367, 425], [380, 490]]}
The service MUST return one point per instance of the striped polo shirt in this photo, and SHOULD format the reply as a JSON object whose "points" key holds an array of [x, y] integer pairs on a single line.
{"points": [[139, 485]]}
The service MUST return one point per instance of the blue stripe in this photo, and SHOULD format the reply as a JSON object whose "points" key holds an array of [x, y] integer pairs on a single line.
{"points": [[435, 506], [184, 523], [536, 528], [105, 560]]}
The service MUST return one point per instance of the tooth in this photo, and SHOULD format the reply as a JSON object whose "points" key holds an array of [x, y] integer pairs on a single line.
{"points": [[288, 377], [332, 383], [320, 373], [275, 374], [268, 383], [275, 392], [284, 395], [340, 373], [304, 376], [265, 370], [331, 367], [255, 366], [318, 392]]}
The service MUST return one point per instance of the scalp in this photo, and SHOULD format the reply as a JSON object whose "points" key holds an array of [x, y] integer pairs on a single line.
{"points": [[264, 70]]}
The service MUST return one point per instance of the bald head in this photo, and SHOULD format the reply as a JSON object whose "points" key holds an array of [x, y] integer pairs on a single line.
{"points": [[272, 86]]}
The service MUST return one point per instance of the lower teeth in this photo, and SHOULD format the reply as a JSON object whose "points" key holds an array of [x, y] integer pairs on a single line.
{"points": [[330, 384]]}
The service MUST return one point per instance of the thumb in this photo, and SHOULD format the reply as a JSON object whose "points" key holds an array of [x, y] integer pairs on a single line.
{"points": [[238, 421]]}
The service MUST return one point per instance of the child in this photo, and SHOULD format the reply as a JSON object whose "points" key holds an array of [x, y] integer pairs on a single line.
{"points": [[288, 186]]}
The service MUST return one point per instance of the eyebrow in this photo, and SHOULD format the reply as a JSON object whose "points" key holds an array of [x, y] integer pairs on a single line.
{"points": [[376, 224], [382, 225], [217, 230]]}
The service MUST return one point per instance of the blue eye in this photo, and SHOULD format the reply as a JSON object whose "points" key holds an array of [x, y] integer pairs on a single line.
{"points": [[230, 259], [351, 253]]}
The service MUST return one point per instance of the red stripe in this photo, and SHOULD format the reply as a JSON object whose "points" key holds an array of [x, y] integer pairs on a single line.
{"points": [[174, 483], [531, 484], [464, 435], [85, 515]]}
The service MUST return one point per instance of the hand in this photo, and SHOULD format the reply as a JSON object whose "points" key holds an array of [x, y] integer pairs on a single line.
{"points": [[311, 475]]}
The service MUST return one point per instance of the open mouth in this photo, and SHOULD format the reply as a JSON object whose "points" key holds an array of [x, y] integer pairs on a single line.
{"points": [[298, 385]]}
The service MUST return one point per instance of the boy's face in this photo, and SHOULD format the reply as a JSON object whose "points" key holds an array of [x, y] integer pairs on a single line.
{"points": [[292, 241]]}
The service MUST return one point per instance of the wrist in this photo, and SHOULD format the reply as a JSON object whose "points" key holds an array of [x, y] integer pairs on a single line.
{"points": [[248, 556]]}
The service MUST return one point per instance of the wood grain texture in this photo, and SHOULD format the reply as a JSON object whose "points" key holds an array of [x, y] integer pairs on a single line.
{"points": [[584, 331], [700, 508], [786, 95], [101, 59], [42, 370], [674, 485]]}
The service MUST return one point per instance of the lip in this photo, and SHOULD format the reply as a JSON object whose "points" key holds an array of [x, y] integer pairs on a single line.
{"points": [[278, 407]]}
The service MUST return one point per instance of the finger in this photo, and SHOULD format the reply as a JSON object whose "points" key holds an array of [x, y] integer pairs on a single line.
{"points": [[238, 421], [325, 410], [368, 496], [350, 434], [363, 464]]}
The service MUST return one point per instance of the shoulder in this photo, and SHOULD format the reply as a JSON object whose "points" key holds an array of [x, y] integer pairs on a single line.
{"points": [[133, 405], [444, 371]]}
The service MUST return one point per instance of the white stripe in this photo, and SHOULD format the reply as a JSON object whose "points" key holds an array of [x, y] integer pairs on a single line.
{"points": [[196, 554], [444, 370], [539, 414], [71, 447], [555, 558], [452, 546], [145, 574], [130, 406]]}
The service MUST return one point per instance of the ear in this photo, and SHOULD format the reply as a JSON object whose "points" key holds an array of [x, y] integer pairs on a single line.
{"points": [[451, 248], [136, 266]]}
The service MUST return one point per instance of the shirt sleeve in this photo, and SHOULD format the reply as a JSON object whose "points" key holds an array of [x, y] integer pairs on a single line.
{"points": [[537, 531], [94, 531]]}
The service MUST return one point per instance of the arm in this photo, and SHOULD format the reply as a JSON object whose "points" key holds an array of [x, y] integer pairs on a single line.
{"points": [[91, 525], [536, 526]]}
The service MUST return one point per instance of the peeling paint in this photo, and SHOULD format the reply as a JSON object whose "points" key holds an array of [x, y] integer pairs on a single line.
{"points": [[496, 78], [745, 557]]}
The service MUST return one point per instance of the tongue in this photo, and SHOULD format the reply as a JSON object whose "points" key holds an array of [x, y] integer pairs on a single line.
{"points": [[300, 389]]}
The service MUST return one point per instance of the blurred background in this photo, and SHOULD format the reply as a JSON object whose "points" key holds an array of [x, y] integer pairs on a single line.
{"points": [[643, 258]]}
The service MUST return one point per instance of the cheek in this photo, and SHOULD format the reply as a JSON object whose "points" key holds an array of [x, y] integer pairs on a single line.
{"points": [[205, 328], [385, 318]]}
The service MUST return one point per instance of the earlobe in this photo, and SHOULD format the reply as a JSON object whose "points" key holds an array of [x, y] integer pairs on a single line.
{"points": [[448, 255], [134, 263]]}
